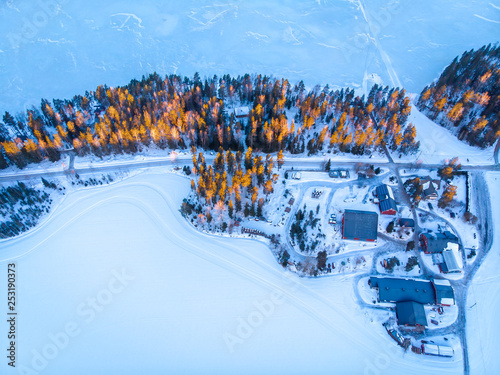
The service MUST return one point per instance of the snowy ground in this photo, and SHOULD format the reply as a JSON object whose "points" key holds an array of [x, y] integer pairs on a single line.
{"points": [[437, 144], [483, 299], [188, 302], [380, 41], [398, 271]]}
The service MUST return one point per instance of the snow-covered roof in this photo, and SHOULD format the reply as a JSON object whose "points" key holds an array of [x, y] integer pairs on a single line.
{"points": [[446, 351], [440, 350], [431, 349], [447, 301], [450, 262], [241, 111]]}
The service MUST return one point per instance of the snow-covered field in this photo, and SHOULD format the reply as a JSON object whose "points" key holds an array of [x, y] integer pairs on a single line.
{"points": [[483, 299], [355, 43], [124, 285]]}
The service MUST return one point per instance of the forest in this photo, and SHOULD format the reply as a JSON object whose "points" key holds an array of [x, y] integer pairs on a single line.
{"points": [[22, 206], [179, 112], [233, 186], [466, 97]]}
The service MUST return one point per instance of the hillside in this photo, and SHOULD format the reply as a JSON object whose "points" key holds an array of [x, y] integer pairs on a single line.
{"points": [[466, 97]]}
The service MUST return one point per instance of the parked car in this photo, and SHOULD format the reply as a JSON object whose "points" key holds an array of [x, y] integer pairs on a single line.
{"points": [[434, 322]]}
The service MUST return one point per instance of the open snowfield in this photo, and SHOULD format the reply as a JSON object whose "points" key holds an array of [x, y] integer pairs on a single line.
{"points": [[483, 300], [59, 48], [136, 290]]}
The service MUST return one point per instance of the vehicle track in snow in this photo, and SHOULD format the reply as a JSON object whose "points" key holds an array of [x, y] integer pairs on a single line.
{"points": [[385, 58], [151, 209]]}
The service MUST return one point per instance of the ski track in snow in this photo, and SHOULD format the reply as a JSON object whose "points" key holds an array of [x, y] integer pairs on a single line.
{"points": [[327, 46], [387, 61], [199, 251], [486, 19], [118, 194]]}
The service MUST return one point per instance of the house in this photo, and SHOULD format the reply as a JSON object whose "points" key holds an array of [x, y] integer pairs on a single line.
{"points": [[437, 242], [359, 225], [429, 188], [406, 223], [411, 313], [386, 203], [451, 259], [426, 292], [241, 112]]}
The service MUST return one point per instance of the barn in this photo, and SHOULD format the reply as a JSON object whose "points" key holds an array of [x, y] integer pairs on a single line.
{"points": [[360, 225], [387, 203], [436, 243], [426, 292], [411, 314]]}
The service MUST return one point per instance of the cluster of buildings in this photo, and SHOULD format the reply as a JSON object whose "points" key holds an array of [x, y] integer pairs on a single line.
{"points": [[410, 296], [363, 225], [444, 249]]}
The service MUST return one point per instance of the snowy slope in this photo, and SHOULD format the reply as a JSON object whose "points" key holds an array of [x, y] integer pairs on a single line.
{"points": [[438, 144], [65, 48], [189, 293]]}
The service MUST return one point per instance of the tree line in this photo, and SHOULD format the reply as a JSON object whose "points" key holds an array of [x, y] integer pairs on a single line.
{"points": [[466, 97], [180, 112]]}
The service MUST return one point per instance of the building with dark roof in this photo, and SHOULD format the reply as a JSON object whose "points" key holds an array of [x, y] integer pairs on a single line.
{"points": [[429, 188], [426, 292], [444, 292], [406, 223], [359, 225], [403, 290], [386, 203], [411, 314], [432, 243]]}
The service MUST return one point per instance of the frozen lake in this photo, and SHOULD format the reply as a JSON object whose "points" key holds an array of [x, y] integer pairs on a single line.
{"points": [[64, 48], [121, 284]]}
